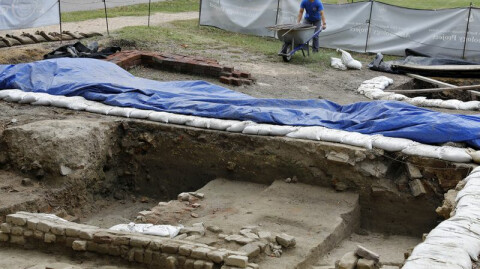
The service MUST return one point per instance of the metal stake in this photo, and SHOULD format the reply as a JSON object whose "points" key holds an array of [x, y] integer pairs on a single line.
{"points": [[149, 11], [106, 15], [466, 32], [200, 14], [60, 16], [369, 22]]}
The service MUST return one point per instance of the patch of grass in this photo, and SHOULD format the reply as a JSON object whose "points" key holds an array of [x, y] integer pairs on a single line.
{"points": [[424, 4], [169, 6], [203, 38]]}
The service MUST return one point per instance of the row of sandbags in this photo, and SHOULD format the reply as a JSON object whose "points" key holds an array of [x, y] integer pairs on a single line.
{"points": [[373, 89], [247, 127], [455, 242], [11, 40]]}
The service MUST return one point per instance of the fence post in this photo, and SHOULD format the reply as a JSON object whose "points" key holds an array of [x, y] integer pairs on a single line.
{"points": [[60, 17], [200, 14], [106, 16], [468, 28], [369, 21], [278, 11], [149, 11]]}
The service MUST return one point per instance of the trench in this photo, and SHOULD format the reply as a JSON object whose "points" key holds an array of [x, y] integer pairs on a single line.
{"points": [[347, 195], [445, 95]]}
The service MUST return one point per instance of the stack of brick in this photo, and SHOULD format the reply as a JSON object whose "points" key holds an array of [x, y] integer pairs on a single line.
{"points": [[30, 229], [181, 63]]}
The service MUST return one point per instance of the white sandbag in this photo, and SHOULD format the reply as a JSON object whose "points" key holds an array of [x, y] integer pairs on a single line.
{"points": [[373, 94], [282, 130], [257, 129], [348, 60], [332, 135], [4, 93], [358, 139], [159, 116], [179, 118], [471, 105], [121, 111], [99, 108], [451, 104], [150, 229], [363, 88], [311, 133], [354, 64], [239, 127], [199, 122], [14, 96], [379, 95], [417, 101], [29, 98], [78, 103], [337, 63], [45, 100], [428, 256], [475, 154], [377, 84], [456, 234], [221, 125], [422, 150], [395, 97], [454, 154], [391, 144], [59, 101], [139, 113], [432, 102]]}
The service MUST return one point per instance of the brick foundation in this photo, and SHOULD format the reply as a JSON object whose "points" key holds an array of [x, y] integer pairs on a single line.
{"points": [[27, 229], [180, 63]]}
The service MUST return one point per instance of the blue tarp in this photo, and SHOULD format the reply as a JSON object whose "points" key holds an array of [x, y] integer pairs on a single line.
{"points": [[106, 82]]}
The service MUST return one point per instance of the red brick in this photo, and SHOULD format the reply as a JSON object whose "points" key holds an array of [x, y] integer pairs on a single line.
{"points": [[226, 80], [236, 74], [247, 82], [228, 69], [236, 81], [245, 75]]}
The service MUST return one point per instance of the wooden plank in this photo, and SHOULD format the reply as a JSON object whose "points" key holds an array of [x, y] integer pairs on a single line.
{"points": [[474, 95], [432, 81], [439, 67], [460, 88]]}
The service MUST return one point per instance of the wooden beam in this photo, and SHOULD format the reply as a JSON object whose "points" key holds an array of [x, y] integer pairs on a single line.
{"points": [[432, 81], [460, 88]]}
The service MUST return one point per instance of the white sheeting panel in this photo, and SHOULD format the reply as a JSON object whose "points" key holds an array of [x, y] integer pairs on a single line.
{"points": [[22, 14]]}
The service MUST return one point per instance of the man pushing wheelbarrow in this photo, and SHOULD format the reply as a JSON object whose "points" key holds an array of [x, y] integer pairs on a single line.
{"points": [[296, 37], [314, 14]]}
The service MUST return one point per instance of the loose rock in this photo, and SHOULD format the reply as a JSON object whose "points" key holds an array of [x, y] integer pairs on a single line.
{"points": [[367, 254], [348, 261], [286, 240], [27, 182], [365, 264], [236, 260]]}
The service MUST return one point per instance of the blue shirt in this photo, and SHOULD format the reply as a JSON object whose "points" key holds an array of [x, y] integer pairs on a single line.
{"points": [[312, 9]]}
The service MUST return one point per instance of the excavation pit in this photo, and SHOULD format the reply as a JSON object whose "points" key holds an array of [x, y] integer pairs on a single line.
{"points": [[462, 95], [345, 195]]}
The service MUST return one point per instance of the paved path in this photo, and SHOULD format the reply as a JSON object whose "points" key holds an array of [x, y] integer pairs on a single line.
{"points": [[80, 5], [98, 25]]}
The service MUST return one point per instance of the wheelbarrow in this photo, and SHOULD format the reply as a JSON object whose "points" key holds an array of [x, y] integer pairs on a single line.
{"points": [[295, 37]]}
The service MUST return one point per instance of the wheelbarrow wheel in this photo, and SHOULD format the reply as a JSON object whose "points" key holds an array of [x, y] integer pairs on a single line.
{"points": [[287, 48]]}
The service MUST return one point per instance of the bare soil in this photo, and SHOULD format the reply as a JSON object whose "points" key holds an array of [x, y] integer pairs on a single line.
{"points": [[275, 79]]}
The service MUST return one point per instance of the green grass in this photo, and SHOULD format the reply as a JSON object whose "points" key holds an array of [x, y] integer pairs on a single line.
{"points": [[198, 39], [173, 6], [169, 6], [422, 4]]}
